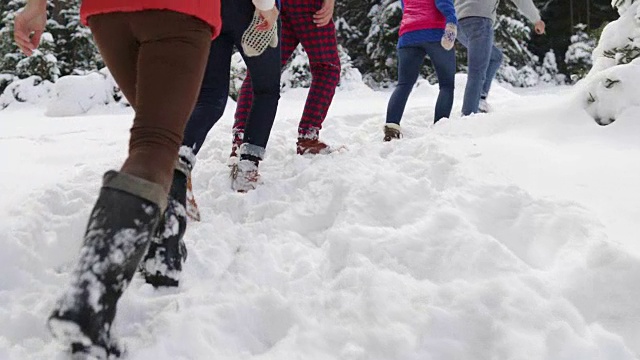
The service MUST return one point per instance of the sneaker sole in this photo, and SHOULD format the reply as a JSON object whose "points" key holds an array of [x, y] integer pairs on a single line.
{"points": [[243, 190]]}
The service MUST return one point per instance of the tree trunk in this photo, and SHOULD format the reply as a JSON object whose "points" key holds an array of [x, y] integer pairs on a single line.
{"points": [[571, 14], [57, 8]]}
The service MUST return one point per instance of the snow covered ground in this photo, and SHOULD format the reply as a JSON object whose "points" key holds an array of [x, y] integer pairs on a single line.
{"points": [[512, 235]]}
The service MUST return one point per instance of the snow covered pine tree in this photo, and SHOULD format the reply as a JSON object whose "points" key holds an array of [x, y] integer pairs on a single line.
{"points": [[578, 55], [612, 87]]}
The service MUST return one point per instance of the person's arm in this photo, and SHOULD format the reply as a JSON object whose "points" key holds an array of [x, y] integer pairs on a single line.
{"points": [[447, 9], [323, 16], [528, 8], [29, 25], [268, 12], [264, 5]]}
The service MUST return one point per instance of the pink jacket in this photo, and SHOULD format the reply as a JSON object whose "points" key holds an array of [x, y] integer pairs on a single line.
{"points": [[421, 15]]}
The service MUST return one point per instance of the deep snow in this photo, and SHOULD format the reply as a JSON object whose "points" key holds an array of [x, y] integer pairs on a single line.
{"points": [[511, 235]]}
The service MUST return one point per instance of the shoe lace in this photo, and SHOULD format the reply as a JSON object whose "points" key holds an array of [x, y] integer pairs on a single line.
{"points": [[234, 172]]}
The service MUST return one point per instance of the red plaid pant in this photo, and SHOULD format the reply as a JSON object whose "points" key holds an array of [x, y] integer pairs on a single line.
{"points": [[321, 46]]}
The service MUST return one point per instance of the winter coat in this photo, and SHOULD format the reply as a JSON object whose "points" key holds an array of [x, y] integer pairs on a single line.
{"points": [[488, 9], [426, 14], [206, 10], [425, 20]]}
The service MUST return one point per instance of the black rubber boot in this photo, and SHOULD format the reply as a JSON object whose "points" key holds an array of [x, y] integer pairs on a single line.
{"points": [[162, 265], [117, 236]]}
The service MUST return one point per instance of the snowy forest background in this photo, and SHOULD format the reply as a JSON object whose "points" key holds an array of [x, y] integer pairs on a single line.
{"points": [[367, 32], [505, 235]]}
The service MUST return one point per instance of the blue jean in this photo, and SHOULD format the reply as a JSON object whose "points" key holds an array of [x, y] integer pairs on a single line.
{"points": [[483, 59], [410, 61], [214, 92]]}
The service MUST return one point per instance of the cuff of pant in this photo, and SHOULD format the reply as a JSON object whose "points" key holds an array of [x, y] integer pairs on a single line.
{"points": [[186, 160], [253, 150], [137, 186], [312, 133]]}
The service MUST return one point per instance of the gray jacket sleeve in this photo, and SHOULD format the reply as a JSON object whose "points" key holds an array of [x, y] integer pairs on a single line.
{"points": [[528, 8]]}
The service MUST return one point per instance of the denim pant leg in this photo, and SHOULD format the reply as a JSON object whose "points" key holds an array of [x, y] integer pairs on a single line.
{"points": [[444, 63], [410, 60], [492, 69], [476, 33], [213, 96]]}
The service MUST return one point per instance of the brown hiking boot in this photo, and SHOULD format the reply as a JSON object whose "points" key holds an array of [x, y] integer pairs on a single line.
{"points": [[192, 207], [313, 147], [392, 131]]}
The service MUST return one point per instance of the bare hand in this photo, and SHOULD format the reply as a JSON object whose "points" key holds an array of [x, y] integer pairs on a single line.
{"points": [[269, 18], [29, 26], [323, 16], [539, 27]]}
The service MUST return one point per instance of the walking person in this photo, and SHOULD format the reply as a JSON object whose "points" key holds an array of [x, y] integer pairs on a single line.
{"points": [[237, 17], [428, 28], [159, 69], [476, 21], [310, 23]]}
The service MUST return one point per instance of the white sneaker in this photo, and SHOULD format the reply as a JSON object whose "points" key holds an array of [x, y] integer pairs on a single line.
{"points": [[484, 106], [245, 176]]}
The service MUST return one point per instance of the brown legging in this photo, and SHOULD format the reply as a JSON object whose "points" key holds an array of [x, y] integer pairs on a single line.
{"points": [[158, 59]]}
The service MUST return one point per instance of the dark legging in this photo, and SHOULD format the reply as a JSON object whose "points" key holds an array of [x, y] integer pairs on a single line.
{"points": [[158, 60], [410, 61]]}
